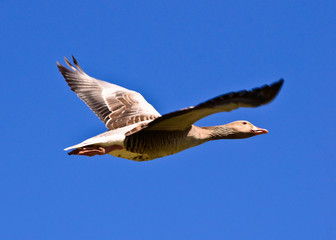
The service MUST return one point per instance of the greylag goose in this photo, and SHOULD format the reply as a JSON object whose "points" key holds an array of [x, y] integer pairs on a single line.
{"points": [[136, 131]]}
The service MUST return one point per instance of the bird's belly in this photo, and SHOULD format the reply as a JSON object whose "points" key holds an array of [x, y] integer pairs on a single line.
{"points": [[123, 153], [149, 151]]}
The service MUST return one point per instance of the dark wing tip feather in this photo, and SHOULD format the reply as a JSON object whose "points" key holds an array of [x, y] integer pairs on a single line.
{"points": [[253, 98], [75, 69], [267, 93], [74, 59], [76, 64]]}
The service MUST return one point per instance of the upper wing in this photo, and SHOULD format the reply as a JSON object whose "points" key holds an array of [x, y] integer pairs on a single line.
{"points": [[114, 105], [183, 119]]}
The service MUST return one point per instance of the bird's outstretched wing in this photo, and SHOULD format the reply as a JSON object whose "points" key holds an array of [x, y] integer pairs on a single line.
{"points": [[184, 118], [114, 105]]}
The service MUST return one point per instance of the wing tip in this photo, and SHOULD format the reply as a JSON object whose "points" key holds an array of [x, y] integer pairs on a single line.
{"points": [[275, 89], [278, 84], [74, 60], [59, 66], [62, 69]]}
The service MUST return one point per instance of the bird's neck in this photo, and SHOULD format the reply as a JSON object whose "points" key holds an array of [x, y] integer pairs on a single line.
{"points": [[220, 132], [213, 133]]}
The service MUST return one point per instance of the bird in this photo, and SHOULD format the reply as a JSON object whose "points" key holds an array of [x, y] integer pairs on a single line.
{"points": [[136, 131]]}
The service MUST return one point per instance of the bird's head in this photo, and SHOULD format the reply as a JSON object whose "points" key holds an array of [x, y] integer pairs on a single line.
{"points": [[235, 130], [243, 129]]}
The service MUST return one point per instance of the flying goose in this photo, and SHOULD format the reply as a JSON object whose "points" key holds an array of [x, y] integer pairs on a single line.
{"points": [[136, 131]]}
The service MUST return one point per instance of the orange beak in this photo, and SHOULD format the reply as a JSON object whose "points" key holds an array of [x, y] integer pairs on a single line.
{"points": [[258, 131]]}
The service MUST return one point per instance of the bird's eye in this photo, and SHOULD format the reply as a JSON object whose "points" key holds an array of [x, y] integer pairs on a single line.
{"points": [[244, 123]]}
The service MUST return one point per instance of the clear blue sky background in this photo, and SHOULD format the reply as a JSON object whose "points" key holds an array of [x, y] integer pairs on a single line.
{"points": [[177, 54]]}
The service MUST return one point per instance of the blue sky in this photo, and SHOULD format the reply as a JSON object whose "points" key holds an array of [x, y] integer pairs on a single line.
{"points": [[177, 54]]}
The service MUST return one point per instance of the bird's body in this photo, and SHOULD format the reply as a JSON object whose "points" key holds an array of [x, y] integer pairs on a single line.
{"points": [[148, 145], [138, 132]]}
